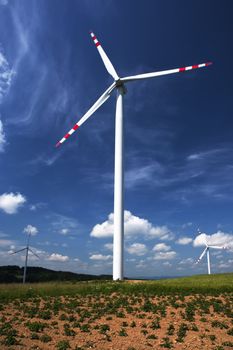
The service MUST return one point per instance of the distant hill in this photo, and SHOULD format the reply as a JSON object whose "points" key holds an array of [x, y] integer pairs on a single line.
{"points": [[14, 274]]}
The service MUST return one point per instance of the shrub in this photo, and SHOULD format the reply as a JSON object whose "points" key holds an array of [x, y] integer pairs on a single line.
{"points": [[132, 324], [194, 327], [45, 338], [155, 324], [34, 336], [218, 324], [151, 336], [182, 332], [45, 314], [212, 337], [104, 328], [85, 328], [36, 326], [166, 343], [228, 343], [68, 331], [170, 329], [123, 333], [63, 345], [10, 340]]}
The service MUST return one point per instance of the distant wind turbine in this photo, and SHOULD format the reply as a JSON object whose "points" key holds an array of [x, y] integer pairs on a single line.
{"points": [[207, 252], [119, 85], [27, 249]]}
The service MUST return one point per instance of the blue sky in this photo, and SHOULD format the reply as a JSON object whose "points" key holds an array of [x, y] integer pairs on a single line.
{"points": [[178, 134]]}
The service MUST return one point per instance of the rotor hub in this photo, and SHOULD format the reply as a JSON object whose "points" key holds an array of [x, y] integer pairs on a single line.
{"points": [[120, 85]]}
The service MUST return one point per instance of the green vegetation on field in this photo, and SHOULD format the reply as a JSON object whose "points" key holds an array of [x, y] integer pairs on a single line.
{"points": [[160, 314], [203, 284]]}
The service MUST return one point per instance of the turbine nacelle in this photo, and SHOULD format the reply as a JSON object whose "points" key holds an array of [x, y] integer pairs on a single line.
{"points": [[120, 85]]}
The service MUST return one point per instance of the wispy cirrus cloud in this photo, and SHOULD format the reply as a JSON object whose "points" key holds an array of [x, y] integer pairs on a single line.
{"points": [[6, 75], [142, 175], [3, 2], [2, 137], [63, 224]]}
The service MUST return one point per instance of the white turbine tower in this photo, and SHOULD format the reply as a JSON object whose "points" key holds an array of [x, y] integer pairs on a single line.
{"points": [[30, 230], [207, 252], [119, 85]]}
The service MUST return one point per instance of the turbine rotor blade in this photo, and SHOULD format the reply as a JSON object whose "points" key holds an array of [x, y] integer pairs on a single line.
{"points": [[18, 251], [95, 106], [217, 247], [34, 253], [201, 256], [164, 72], [106, 60]]}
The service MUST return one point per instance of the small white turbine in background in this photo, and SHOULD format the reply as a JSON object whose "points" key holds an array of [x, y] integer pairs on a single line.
{"points": [[30, 230], [207, 252], [119, 85]]}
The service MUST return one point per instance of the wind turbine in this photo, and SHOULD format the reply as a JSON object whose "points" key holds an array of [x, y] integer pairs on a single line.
{"points": [[207, 252], [119, 85], [27, 249]]}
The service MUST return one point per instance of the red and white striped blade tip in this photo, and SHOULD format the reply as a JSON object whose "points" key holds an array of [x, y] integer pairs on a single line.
{"points": [[58, 144], [94, 38], [194, 66]]}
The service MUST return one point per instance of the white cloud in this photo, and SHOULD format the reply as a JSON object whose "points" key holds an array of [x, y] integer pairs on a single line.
{"points": [[219, 239], [58, 257], [203, 155], [186, 261], [34, 207], [166, 263], [161, 247], [2, 138], [187, 224], [10, 202], [2, 234], [63, 224], [161, 232], [100, 257], [30, 230], [141, 265], [165, 255], [108, 246], [184, 240], [133, 226], [3, 2], [194, 156], [224, 265], [6, 75], [137, 249], [6, 243], [64, 231]]}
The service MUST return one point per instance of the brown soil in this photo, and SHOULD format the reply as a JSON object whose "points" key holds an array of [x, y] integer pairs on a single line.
{"points": [[130, 327]]}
